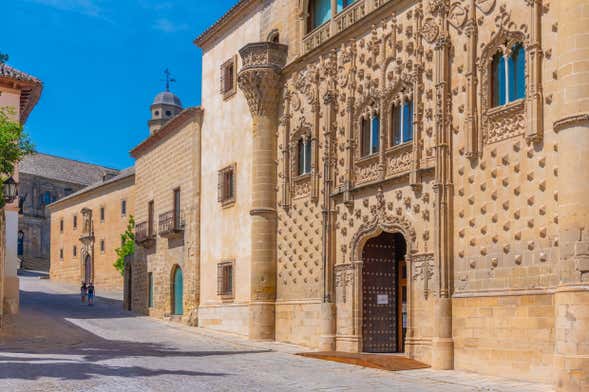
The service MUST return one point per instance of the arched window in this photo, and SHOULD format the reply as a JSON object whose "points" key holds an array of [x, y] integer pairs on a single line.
{"points": [[508, 76], [319, 13], [370, 135], [304, 156], [402, 123]]}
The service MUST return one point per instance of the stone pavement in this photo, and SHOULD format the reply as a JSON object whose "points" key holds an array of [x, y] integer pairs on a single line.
{"points": [[58, 344]]}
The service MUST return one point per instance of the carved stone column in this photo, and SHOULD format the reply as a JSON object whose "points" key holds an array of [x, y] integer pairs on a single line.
{"points": [[571, 300], [442, 343], [259, 79]]}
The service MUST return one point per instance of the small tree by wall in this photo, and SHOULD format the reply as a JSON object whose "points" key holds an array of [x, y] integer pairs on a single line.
{"points": [[127, 246]]}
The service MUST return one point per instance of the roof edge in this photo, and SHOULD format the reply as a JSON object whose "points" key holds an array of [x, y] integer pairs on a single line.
{"points": [[168, 127], [223, 22], [93, 187]]}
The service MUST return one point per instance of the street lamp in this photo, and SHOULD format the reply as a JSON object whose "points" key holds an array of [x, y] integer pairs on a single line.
{"points": [[10, 190]]}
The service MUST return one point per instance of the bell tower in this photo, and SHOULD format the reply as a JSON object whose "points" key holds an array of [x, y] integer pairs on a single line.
{"points": [[165, 106]]}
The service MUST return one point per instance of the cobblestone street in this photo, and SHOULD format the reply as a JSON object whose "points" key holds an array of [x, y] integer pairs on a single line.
{"points": [[58, 344]]}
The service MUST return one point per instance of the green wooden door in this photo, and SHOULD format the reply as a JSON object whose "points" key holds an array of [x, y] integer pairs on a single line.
{"points": [[178, 294]]}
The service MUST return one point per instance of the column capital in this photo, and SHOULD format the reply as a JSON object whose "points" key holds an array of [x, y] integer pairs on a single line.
{"points": [[259, 77]]}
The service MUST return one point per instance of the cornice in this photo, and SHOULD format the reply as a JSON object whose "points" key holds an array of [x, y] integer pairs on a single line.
{"points": [[171, 126], [228, 19]]}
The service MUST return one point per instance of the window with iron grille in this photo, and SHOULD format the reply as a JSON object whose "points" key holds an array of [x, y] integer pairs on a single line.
{"points": [[177, 222], [225, 279], [123, 207], [226, 185], [150, 218], [228, 80]]}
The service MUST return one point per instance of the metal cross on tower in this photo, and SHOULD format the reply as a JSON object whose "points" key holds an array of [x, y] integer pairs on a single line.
{"points": [[169, 79]]}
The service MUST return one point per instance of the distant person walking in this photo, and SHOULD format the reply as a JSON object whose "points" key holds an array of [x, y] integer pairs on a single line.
{"points": [[83, 291], [91, 294]]}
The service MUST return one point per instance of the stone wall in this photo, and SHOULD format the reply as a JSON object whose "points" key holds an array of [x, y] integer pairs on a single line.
{"points": [[70, 268], [226, 140], [163, 164], [34, 222]]}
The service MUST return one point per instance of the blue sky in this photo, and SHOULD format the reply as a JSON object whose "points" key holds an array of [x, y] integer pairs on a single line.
{"points": [[102, 62]]}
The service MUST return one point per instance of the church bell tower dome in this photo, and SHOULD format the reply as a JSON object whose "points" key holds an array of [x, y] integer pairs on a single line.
{"points": [[166, 105]]}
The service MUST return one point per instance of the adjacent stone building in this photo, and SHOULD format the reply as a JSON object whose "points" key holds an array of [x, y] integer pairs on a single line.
{"points": [[86, 228], [44, 179], [164, 274], [19, 93]]}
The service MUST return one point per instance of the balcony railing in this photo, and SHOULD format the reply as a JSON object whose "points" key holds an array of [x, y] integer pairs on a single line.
{"points": [[348, 17], [143, 235], [170, 223]]}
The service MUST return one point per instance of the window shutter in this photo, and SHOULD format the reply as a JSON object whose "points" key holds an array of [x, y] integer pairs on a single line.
{"points": [[219, 279], [222, 79], [220, 186]]}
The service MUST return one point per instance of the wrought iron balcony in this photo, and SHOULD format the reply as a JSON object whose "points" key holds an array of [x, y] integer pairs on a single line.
{"points": [[143, 236], [170, 223]]}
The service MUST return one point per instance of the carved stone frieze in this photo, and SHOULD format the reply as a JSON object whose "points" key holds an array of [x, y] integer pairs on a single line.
{"points": [[423, 269]]}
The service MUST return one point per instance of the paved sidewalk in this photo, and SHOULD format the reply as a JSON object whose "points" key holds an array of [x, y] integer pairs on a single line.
{"points": [[58, 344]]}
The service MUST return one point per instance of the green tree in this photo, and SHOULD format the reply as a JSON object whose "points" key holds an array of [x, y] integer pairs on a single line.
{"points": [[14, 145], [127, 246]]}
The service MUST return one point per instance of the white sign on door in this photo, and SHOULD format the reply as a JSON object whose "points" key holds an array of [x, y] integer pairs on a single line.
{"points": [[382, 299]]}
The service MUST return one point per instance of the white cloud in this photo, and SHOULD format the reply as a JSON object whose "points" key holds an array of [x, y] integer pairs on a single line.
{"points": [[84, 7], [168, 26]]}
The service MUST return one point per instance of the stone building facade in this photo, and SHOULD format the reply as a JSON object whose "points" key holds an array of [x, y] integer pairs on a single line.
{"points": [[86, 229], [162, 280], [44, 179], [416, 174], [19, 93]]}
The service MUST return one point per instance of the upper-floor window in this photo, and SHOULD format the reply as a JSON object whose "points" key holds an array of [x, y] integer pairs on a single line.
{"points": [[102, 246], [341, 4], [370, 135], [75, 251], [75, 221], [47, 199], [61, 225], [102, 214], [402, 123], [508, 76], [61, 253], [123, 207], [319, 13], [304, 155], [228, 77], [226, 185]]}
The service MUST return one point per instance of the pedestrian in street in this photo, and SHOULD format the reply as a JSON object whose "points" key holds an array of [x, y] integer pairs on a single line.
{"points": [[91, 294], [83, 291]]}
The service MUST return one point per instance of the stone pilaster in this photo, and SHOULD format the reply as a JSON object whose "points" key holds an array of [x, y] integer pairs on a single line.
{"points": [[571, 351], [259, 79], [442, 342]]}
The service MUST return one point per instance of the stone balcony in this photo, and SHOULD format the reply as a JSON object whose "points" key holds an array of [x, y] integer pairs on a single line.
{"points": [[342, 21], [263, 55]]}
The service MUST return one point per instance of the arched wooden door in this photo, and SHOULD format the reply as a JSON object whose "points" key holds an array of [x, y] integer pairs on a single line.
{"points": [[88, 269], [384, 294], [177, 292]]}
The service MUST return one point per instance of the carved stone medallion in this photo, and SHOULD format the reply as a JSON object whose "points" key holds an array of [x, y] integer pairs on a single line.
{"points": [[430, 30]]}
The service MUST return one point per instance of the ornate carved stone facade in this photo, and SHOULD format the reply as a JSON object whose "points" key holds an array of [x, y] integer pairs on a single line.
{"points": [[393, 103]]}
